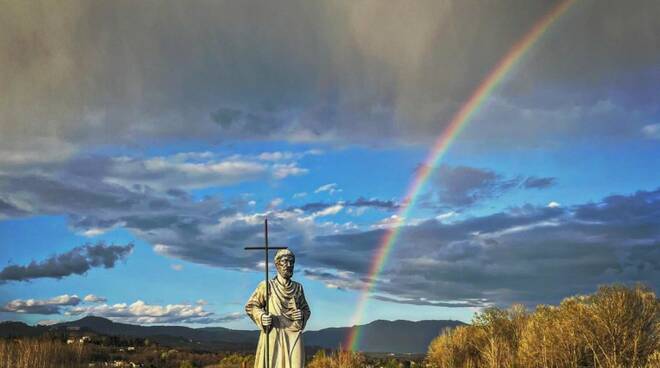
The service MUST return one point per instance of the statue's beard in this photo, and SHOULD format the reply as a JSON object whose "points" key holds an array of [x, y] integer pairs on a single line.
{"points": [[287, 273]]}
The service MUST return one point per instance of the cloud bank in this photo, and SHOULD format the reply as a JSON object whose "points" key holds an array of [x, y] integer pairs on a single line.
{"points": [[138, 312], [529, 254], [458, 187], [86, 74], [76, 261]]}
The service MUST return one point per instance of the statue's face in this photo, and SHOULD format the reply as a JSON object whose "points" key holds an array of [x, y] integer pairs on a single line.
{"points": [[285, 266]]}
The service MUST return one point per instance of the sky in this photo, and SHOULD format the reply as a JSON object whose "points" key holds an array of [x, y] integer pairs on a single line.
{"points": [[142, 145]]}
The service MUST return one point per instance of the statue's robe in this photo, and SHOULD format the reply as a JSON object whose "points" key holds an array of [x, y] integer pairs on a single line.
{"points": [[286, 348]]}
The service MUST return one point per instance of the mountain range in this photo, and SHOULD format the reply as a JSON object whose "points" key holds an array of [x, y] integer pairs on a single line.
{"points": [[398, 336]]}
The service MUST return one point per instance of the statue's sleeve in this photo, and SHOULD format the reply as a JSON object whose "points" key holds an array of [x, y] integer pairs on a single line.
{"points": [[304, 307], [255, 306]]}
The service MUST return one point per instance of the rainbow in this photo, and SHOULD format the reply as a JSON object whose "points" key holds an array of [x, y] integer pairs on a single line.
{"points": [[440, 147]]}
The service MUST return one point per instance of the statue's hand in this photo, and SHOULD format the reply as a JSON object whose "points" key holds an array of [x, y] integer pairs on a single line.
{"points": [[297, 315], [266, 320]]}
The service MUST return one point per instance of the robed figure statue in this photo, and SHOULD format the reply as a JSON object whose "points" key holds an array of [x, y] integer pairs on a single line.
{"points": [[287, 315]]}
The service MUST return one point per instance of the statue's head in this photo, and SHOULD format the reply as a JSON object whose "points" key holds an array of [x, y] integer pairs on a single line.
{"points": [[284, 262]]}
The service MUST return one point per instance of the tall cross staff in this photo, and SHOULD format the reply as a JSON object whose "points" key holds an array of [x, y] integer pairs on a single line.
{"points": [[266, 248]]}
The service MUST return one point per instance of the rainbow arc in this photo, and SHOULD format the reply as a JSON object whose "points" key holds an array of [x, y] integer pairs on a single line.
{"points": [[469, 109]]}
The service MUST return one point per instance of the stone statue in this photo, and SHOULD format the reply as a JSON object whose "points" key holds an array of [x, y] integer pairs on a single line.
{"points": [[288, 312]]}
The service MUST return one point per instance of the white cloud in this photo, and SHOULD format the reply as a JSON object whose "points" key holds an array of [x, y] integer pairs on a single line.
{"points": [[185, 170], [300, 195], [96, 231], [314, 152], [554, 204], [177, 267], [41, 306], [275, 203], [281, 171], [445, 216], [91, 298], [651, 131], [137, 312], [162, 249], [331, 188], [332, 210], [276, 156], [92, 232], [143, 313], [358, 211], [287, 156], [388, 222]]}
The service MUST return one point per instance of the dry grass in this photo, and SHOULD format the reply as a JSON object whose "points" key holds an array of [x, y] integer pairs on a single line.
{"points": [[337, 359], [617, 327], [40, 353]]}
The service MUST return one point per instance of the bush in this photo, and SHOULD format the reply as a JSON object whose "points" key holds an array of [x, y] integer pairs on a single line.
{"points": [[237, 361], [456, 348], [616, 327]]}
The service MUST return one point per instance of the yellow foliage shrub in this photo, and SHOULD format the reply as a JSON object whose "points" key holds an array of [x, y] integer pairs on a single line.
{"points": [[616, 327]]}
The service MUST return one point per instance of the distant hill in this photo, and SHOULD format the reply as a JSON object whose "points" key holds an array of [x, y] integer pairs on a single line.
{"points": [[385, 336], [19, 329], [210, 338], [378, 336]]}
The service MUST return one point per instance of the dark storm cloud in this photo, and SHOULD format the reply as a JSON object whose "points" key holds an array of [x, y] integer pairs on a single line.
{"points": [[339, 281], [315, 206], [529, 254], [375, 203], [9, 210], [331, 250], [148, 197], [534, 182], [51, 195], [88, 73], [464, 186], [621, 209], [177, 225], [77, 261], [358, 203]]}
